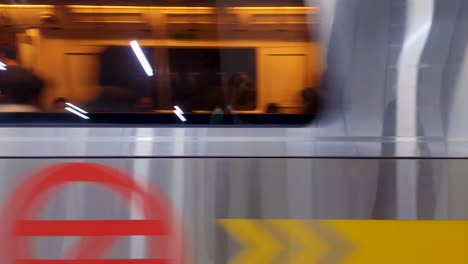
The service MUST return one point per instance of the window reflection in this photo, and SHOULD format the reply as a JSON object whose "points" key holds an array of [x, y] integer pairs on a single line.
{"points": [[225, 60]]}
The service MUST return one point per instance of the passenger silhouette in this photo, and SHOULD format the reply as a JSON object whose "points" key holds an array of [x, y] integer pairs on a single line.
{"points": [[122, 79], [144, 104], [59, 104], [8, 56], [272, 108], [114, 99], [240, 94], [22, 90], [312, 100]]}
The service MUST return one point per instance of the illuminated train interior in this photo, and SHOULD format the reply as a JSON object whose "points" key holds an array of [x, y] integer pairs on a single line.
{"points": [[146, 58]]}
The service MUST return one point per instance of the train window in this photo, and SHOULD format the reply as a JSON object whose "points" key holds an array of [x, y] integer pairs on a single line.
{"points": [[200, 77], [141, 62]]}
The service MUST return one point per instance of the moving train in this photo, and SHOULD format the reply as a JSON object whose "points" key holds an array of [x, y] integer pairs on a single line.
{"points": [[75, 48], [389, 145]]}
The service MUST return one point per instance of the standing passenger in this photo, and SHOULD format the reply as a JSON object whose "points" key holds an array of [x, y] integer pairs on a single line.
{"points": [[22, 90], [312, 101], [240, 92], [7, 60], [8, 56]]}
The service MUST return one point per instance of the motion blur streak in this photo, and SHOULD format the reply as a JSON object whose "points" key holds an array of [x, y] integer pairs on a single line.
{"points": [[76, 108], [179, 113], [141, 57], [419, 22], [76, 113]]}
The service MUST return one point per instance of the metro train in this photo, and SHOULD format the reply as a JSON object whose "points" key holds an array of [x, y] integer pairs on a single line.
{"points": [[390, 143], [273, 46]]}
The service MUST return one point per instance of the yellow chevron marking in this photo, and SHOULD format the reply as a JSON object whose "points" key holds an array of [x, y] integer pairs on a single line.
{"points": [[259, 246], [367, 241], [412, 242], [306, 247]]}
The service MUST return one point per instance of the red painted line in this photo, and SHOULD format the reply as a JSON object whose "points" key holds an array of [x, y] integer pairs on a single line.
{"points": [[93, 261], [90, 228]]}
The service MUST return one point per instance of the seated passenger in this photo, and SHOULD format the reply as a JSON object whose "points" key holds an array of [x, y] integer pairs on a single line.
{"points": [[3, 98], [241, 94], [113, 99], [272, 108], [22, 90], [182, 93], [246, 100], [59, 105], [216, 100], [144, 104]]}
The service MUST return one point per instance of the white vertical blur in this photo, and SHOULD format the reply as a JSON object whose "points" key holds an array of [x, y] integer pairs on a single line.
{"points": [[419, 17], [75, 194], [458, 107], [327, 17], [141, 173], [177, 182]]}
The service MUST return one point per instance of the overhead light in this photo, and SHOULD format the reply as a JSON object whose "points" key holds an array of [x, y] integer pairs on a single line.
{"points": [[179, 113], [141, 57], [76, 110], [3, 66]]}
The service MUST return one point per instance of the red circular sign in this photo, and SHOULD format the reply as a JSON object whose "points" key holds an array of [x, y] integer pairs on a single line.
{"points": [[31, 196]]}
